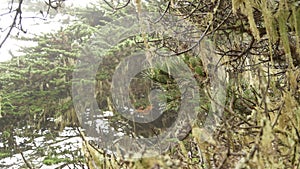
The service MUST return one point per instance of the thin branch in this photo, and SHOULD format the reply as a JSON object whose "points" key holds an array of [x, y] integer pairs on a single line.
{"points": [[50, 4], [196, 44], [164, 13], [10, 8], [26, 162], [18, 12], [117, 8], [193, 11], [6, 13]]}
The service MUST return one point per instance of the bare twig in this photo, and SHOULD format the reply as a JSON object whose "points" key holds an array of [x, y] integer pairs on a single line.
{"points": [[18, 12], [117, 8], [164, 13], [26, 162]]}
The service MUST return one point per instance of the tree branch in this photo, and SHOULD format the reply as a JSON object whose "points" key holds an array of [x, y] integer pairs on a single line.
{"points": [[18, 13]]}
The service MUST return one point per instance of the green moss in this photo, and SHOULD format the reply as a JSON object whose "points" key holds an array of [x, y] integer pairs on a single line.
{"points": [[199, 70], [54, 160], [4, 154]]}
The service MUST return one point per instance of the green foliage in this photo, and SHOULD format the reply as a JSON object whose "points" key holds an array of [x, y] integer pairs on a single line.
{"points": [[43, 75], [49, 160], [4, 154], [257, 41]]}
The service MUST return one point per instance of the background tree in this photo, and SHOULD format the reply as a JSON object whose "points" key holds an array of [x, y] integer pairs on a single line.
{"points": [[36, 88]]}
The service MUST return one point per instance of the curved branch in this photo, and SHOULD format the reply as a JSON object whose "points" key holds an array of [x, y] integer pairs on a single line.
{"points": [[198, 41], [117, 8], [193, 11], [164, 13]]}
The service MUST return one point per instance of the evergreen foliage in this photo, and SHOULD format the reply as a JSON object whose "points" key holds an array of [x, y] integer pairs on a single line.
{"points": [[257, 41]]}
